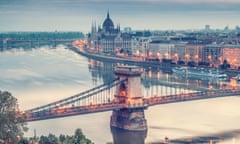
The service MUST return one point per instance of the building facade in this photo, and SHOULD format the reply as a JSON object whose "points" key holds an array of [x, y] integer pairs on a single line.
{"points": [[231, 53], [212, 53], [194, 52], [109, 39], [161, 49]]}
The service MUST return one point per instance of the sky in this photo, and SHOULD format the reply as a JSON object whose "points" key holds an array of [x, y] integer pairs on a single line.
{"points": [[78, 15]]}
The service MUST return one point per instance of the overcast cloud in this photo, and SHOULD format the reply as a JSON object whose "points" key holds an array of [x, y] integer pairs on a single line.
{"points": [[77, 15]]}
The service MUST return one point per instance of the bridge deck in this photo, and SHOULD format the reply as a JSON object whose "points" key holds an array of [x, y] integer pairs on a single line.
{"points": [[190, 97], [156, 100]]}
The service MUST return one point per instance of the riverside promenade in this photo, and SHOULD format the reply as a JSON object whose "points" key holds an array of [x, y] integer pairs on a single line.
{"points": [[165, 66], [116, 59]]}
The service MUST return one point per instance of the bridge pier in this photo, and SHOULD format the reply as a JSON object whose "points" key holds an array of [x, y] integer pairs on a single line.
{"points": [[129, 119], [129, 95], [121, 136]]}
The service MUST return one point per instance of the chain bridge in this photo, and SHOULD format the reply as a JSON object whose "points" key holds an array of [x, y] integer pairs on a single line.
{"points": [[123, 96]]}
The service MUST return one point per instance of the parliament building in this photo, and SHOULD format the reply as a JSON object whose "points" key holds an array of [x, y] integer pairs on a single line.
{"points": [[108, 38]]}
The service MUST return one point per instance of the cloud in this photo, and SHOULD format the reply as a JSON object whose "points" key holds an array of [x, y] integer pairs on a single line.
{"points": [[170, 1], [49, 15]]}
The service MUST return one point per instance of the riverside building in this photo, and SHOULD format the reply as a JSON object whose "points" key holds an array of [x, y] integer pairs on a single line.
{"points": [[108, 38], [231, 53]]}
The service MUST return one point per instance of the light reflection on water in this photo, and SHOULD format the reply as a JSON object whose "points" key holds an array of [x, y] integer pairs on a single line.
{"points": [[42, 75]]}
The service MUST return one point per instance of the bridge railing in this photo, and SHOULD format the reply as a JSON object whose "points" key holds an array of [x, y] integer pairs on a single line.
{"points": [[190, 96], [111, 105]]}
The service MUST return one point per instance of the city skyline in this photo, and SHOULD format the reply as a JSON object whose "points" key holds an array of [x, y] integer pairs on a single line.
{"points": [[74, 15]]}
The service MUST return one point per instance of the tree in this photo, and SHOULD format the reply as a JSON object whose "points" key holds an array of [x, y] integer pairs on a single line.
{"points": [[23, 141], [12, 123], [79, 138], [62, 138], [43, 140], [69, 139], [225, 65], [50, 139]]}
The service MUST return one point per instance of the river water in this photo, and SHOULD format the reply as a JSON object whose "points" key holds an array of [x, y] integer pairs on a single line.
{"points": [[42, 75]]}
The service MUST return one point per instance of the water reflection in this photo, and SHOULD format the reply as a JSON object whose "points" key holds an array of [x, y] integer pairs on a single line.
{"points": [[210, 139], [101, 70], [78, 73], [153, 78], [121, 136], [25, 44], [150, 82]]}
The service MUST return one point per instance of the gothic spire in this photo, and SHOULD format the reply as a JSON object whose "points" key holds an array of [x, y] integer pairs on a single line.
{"points": [[108, 14]]}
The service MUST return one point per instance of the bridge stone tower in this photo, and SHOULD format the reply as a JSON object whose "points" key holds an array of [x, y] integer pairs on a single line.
{"points": [[130, 98]]}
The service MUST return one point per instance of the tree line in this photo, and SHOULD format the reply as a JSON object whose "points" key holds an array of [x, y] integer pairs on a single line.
{"points": [[77, 138], [41, 35]]}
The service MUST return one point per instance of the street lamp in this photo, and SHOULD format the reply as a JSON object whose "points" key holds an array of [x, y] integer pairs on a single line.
{"points": [[150, 53], [196, 58], [137, 53], [166, 55], [158, 55], [187, 56], [210, 59], [176, 57]]}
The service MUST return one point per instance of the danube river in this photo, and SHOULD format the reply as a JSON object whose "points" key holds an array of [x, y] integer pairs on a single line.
{"points": [[42, 75]]}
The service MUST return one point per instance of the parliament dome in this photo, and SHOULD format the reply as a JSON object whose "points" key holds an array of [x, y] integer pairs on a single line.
{"points": [[108, 25]]}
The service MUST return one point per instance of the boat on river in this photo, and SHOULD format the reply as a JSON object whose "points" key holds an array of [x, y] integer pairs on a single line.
{"points": [[200, 72]]}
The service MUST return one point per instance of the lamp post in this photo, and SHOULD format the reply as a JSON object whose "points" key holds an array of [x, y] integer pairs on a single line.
{"points": [[166, 55], [210, 59], [196, 58], [137, 53], [176, 57], [187, 56], [150, 54], [159, 55]]}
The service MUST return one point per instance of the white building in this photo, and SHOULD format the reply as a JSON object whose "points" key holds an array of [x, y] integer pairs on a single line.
{"points": [[140, 46], [161, 49]]}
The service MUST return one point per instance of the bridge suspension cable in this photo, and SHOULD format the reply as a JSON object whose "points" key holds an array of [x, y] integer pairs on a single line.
{"points": [[78, 97]]}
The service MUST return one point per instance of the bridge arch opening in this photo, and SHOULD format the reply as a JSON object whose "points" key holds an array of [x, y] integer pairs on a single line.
{"points": [[123, 90]]}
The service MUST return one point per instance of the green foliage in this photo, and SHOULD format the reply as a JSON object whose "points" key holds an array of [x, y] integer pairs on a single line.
{"points": [[23, 141], [43, 140], [41, 35], [50, 139], [62, 138], [12, 123], [77, 138], [225, 65], [12, 126]]}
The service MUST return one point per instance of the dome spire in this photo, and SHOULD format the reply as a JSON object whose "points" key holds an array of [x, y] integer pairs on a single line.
{"points": [[108, 14], [108, 25]]}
